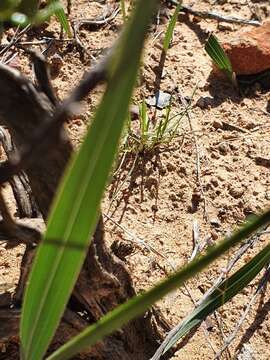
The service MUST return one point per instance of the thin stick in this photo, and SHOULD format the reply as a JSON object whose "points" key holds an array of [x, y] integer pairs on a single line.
{"points": [[198, 161], [196, 239], [215, 16], [3, 60], [40, 42], [14, 40], [97, 22]]}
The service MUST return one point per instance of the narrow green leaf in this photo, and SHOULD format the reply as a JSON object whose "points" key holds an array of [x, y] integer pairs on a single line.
{"points": [[144, 120], [76, 208], [139, 304], [61, 16], [223, 293], [218, 55], [170, 29]]}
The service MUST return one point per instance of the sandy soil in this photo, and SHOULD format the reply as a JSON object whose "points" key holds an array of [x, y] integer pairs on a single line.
{"points": [[207, 176]]}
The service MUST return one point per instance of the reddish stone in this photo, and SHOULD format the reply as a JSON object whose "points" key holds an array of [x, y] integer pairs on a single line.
{"points": [[249, 51]]}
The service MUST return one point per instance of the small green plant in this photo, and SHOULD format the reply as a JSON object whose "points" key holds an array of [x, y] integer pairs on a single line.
{"points": [[219, 57], [61, 16], [170, 29], [149, 133]]}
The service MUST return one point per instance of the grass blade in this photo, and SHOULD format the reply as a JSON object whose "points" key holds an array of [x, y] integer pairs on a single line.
{"points": [[76, 208], [62, 18], [144, 120], [224, 292], [139, 304], [170, 29], [218, 55]]}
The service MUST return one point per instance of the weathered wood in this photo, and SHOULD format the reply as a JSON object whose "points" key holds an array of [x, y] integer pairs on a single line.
{"points": [[23, 110], [26, 205]]}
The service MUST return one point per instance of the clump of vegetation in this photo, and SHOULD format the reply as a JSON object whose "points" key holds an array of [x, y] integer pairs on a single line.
{"points": [[150, 133]]}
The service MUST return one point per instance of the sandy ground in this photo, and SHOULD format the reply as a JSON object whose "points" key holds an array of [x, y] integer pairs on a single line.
{"points": [[207, 175]]}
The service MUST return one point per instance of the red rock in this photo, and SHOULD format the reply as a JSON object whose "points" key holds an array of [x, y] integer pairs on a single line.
{"points": [[249, 51]]}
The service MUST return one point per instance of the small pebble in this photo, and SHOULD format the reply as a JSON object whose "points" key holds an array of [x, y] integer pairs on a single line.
{"points": [[160, 100]]}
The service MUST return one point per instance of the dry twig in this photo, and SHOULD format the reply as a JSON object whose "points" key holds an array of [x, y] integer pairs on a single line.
{"points": [[215, 16], [198, 161]]}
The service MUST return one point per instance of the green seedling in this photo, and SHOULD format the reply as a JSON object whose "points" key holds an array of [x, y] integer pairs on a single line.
{"points": [[170, 29], [144, 123], [151, 133], [61, 16], [219, 57]]}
